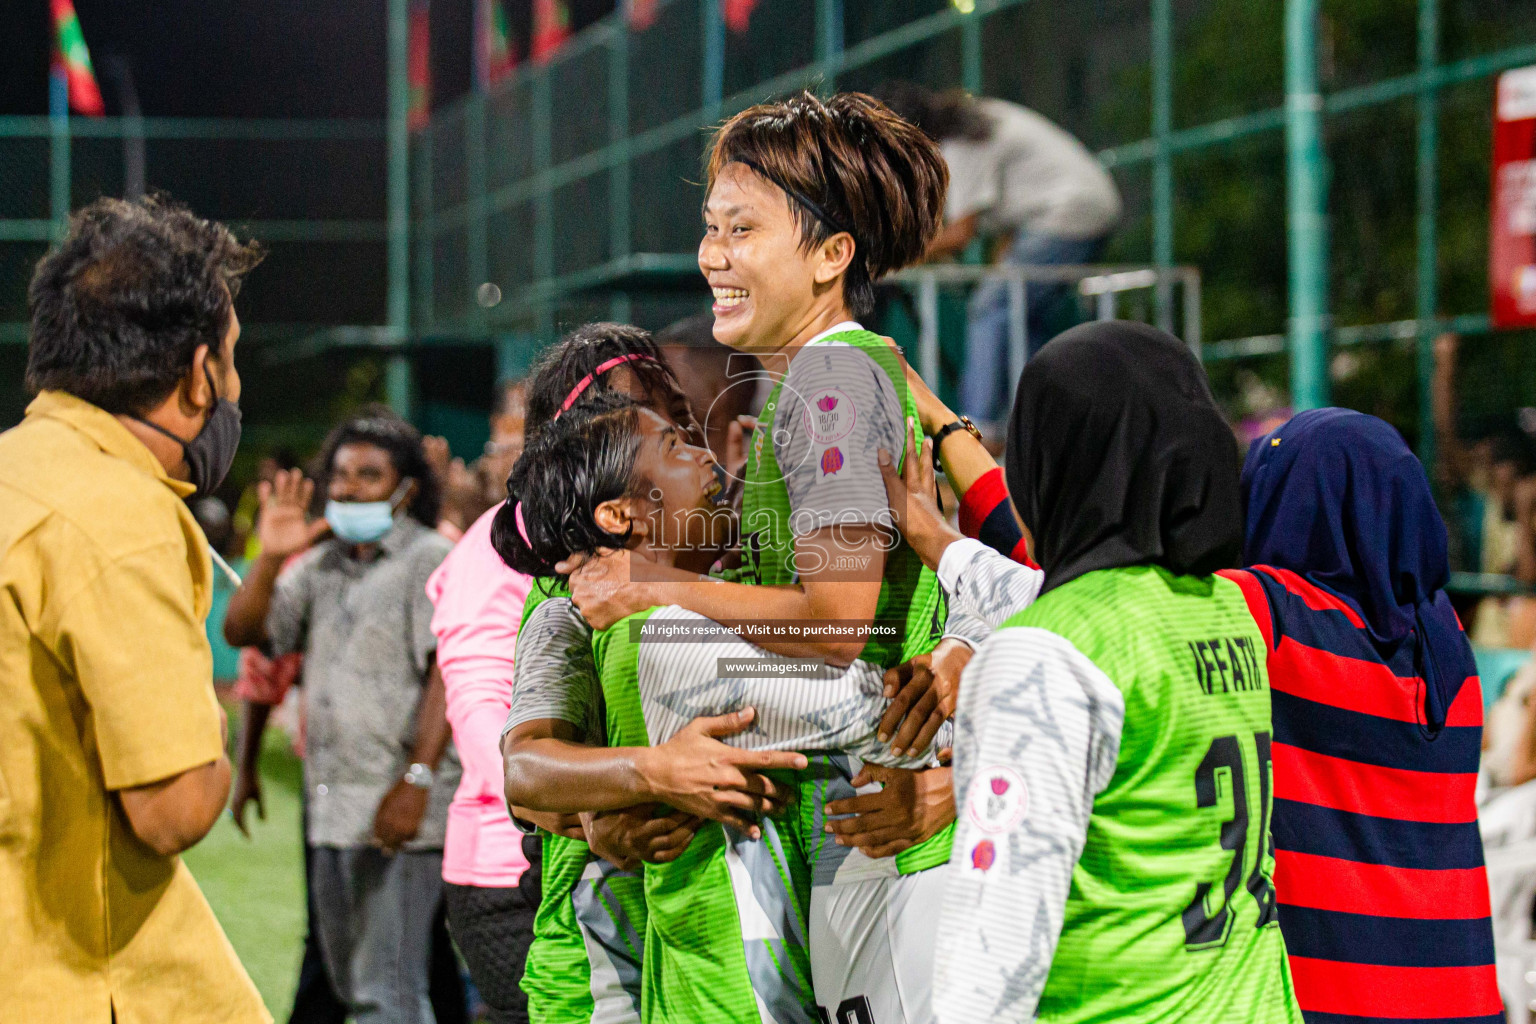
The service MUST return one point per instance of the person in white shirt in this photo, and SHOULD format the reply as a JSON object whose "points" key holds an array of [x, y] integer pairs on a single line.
{"points": [[1016, 178]]}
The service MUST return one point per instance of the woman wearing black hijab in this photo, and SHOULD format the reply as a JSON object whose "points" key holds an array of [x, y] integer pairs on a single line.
{"points": [[1112, 857]]}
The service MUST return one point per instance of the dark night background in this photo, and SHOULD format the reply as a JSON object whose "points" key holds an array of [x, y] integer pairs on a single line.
{"points": [[256, 59], [247, 58]]}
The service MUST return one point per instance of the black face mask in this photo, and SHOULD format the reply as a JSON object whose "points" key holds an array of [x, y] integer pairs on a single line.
{"points": [[210, 454]]}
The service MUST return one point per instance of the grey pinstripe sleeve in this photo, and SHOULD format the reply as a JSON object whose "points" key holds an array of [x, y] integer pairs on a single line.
{"points": [[985, 588], [1037, 734], [838, 409], [554, 675]]}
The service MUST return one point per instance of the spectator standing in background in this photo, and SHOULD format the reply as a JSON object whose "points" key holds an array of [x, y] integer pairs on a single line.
{"points": [[111, 748], [479, 605], [1035, 191], [377, 797]]}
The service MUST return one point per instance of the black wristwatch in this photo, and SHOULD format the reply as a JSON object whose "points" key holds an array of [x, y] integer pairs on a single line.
{"points": [[963, 423]]}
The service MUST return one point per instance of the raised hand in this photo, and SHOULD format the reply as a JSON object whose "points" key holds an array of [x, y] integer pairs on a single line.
{"points": [[282, 525]]}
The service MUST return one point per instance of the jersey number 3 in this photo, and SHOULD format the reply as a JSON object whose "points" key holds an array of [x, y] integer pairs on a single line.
{"points": [[1202, 928]]}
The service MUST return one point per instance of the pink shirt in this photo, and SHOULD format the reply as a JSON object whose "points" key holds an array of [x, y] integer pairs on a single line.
{"points": [[478, 606]]}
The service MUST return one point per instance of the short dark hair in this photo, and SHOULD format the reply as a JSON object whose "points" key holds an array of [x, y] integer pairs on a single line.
{"points": [[586, 348], [570, 467], [951, 114], [847, 163], [382, 427], [119, 307]]}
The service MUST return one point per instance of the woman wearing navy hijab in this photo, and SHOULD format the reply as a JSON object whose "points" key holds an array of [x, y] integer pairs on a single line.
{"points": [[1377, 726]]}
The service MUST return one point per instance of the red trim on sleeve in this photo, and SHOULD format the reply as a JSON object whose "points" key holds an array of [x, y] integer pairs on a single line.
{"points": [[1372, 990], [1258, 604], [1020, 554], [1314, 597], [978, 502], [1396, 793], [1351, 887]]}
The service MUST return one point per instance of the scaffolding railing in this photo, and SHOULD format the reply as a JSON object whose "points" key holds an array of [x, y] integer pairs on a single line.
{"points": [[1103, 284], [568, 186]]}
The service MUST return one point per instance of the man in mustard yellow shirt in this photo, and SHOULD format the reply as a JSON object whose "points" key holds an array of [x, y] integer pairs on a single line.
{"points": [[111, 749]]}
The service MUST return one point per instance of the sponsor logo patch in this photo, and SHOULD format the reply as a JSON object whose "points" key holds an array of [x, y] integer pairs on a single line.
{"points": [[831, 461], [983, 854], [830, 416], [998, 799]]}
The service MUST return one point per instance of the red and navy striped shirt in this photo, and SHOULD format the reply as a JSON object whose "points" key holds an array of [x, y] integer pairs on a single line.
{"points": [[1379, 872]]}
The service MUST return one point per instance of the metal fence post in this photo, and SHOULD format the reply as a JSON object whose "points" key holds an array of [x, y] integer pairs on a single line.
{"points": [[398, 384], [476, 234], [59, 184], [426, 232], [1307, 208], [928, 328], [399, 182], [618, 131], [1018, 327], [1428, 171], [829, 34], [543, 209], [970, 51], [1162, 165], [712, 87]]}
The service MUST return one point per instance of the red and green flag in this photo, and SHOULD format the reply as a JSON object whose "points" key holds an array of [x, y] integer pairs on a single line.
{"points": [[496, 58], [418, 66], [72, 60], [551, 28]]}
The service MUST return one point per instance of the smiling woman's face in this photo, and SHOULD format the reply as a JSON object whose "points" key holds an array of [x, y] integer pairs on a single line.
{"points": [[752, 255], [677, 481]]}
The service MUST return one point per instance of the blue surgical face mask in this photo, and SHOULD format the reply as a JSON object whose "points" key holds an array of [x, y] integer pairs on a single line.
{"points": [[364, 522]]}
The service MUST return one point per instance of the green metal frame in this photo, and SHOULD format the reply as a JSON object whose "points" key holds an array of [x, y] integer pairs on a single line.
{"points": [[1302, 117], [61, 131], [529, 306]]}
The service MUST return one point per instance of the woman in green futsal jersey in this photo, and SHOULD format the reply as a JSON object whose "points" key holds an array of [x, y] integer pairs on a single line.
{"points": [[808, 203]]}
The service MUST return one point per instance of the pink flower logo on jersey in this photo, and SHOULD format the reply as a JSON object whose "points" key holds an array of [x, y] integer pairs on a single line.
{"points": [[829, 416], [983, 855], [997, 799], [831, 461]]}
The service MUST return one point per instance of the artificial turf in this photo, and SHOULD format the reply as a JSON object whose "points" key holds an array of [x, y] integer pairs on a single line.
{"points": [[256, 885]]}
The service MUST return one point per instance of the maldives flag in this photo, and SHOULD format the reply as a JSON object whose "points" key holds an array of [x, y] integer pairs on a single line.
{"points": [[642, 14], [418, 66], [551, 28], [74, 61], [496, 57], [738, 14]]}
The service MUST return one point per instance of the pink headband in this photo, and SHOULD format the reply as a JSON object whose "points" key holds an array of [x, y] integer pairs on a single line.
{"points": [[522, 528], [602, 368]]}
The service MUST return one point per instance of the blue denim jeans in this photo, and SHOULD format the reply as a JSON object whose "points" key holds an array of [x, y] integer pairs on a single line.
{"points": [[374, 914], [987, 388]]}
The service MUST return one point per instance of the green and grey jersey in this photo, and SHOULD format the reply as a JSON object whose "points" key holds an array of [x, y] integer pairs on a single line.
{"points": [[813, 464], [726, 936], [589, 930], [1112, 859]]}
